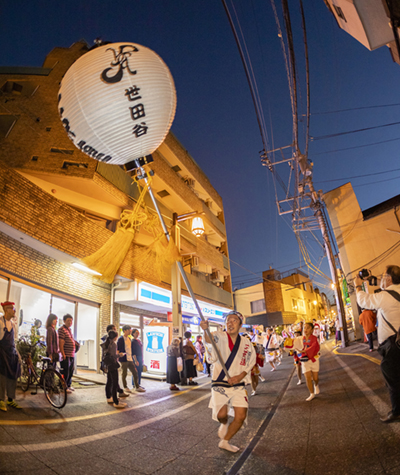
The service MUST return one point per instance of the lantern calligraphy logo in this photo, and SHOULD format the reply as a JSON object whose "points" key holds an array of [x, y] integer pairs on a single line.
{"points": [[121, 61]]}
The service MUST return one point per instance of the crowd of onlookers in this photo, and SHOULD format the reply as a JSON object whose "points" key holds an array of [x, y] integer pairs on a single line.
{"points": [[123, 351]]}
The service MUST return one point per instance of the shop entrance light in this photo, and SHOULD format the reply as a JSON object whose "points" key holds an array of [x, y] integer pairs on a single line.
{"points": [[83, 268]]}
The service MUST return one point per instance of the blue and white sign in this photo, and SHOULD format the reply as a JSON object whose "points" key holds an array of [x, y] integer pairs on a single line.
{"points": [[155, 342], [163, 298]]}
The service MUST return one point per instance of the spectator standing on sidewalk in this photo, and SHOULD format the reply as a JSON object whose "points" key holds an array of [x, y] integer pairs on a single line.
{"points": [[9, 358], [52, 344], [189, 353], [310, 360], [201, 350], [338, 335], [67, 349], [103, 339], [110, 359], [173, 353], [124, 347], [367, 319], [388, 323], [137, 354]]}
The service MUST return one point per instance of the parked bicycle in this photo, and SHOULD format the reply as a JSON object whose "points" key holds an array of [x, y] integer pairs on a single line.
{"points": [[50, 380]]}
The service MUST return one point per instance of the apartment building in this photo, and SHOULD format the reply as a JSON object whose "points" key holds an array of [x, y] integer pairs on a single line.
{"points": [[282, 299]]}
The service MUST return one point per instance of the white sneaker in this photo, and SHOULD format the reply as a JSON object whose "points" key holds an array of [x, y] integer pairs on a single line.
{"points": [[310, 397], [127, 390], [110, 400], [222, 431], [120, 405], [316, 389], [224, 444], [140, 390], [299, 382]]}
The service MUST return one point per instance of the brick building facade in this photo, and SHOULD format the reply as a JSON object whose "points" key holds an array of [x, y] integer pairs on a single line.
{"points": [[57, 206]]}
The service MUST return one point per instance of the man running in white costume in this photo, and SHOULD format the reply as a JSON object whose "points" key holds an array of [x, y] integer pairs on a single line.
{"points": [[229, 396]]}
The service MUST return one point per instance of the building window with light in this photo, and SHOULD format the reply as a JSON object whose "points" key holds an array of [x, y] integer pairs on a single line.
{"points": [[294, 304]]}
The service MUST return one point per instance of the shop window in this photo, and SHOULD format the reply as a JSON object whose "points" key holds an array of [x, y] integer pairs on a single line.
{"points": [[61, 307], [3, 289], [7, 122], [257, 306], [32, 308], [87, 328], [294, 304]]}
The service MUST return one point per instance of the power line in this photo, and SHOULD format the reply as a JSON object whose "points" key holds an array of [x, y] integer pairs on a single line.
{"points": [[329, 136], [354, 109], [359, 176], [356, 146]]}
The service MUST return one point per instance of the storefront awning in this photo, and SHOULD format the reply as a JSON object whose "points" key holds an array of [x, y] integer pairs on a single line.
{"points": [[272, 319]]}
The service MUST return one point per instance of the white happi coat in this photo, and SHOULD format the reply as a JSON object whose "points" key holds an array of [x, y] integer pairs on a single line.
{"points": [[244, 361]]}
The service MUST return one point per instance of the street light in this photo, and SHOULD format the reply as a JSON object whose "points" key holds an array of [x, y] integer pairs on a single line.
{"points": [[197, 226], [197, 222]]}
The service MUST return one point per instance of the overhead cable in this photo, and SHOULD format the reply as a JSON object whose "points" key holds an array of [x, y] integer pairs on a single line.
{"points": [[329, 136]]}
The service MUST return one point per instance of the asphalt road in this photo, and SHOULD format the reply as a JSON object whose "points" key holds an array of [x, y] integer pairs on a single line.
{"points": [[163, 432]]}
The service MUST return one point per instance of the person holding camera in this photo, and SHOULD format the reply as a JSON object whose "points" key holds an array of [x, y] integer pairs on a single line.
{"points": [[388, 305]]}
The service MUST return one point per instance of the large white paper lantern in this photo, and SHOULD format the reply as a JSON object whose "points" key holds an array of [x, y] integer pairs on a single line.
{"points": [[117, 102]]}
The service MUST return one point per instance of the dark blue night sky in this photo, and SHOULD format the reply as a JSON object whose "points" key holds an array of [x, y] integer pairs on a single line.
{"points": [[215, 119]]}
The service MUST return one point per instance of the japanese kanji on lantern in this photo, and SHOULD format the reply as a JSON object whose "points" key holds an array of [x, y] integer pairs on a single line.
{"points": [[117, 102]]}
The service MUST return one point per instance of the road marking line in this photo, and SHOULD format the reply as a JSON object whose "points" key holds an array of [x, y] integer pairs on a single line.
{"points": [[99, 436], [370, 358], [92, 416]]}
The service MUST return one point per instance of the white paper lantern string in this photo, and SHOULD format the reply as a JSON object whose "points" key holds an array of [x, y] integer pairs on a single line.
{"points": [[117, 102]]}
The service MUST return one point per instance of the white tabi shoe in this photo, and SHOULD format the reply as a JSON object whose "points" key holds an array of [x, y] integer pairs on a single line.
{"points": [[310, 397], [261, 378], [224, 444], [223, 429], [299, 382], [316, 389]]}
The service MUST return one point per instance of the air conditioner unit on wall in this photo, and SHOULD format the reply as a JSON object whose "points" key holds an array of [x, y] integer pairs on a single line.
{"points": [[195, 262], [189, 181], [215, 276]]}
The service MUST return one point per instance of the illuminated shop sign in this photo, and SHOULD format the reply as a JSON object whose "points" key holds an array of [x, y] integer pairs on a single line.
{"points": [[163, 298], [155, 342]]}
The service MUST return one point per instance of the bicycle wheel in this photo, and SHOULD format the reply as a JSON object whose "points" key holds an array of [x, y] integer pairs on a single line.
{"points": [[55, 388], [26, 377]]}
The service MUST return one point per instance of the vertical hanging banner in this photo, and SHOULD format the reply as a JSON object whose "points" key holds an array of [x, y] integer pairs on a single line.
{"points": [[117, 102]]}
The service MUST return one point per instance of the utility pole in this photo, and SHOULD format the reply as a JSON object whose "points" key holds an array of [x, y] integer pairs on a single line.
{"points": [[316, 205]]}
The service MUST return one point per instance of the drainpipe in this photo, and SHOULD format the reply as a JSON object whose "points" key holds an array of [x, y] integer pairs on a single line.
{"points": [[120, 286]]}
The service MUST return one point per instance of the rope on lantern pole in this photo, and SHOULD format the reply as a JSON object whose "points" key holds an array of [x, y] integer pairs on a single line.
{"points": [[143, 175]]}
